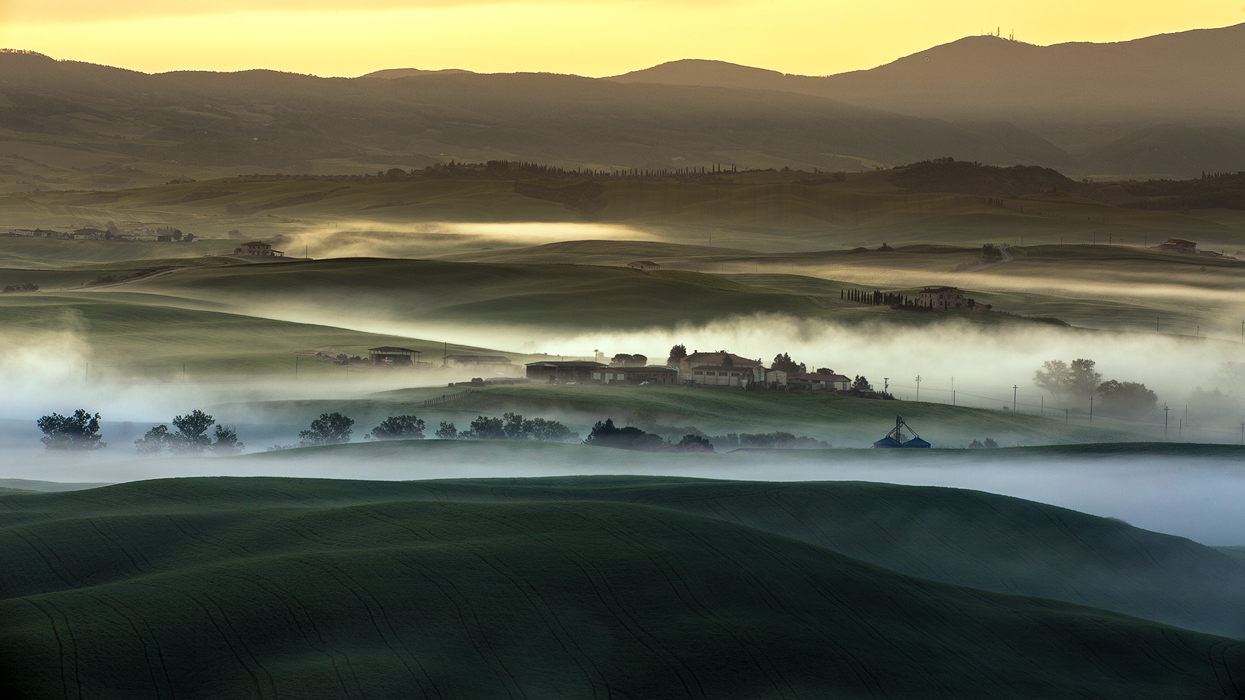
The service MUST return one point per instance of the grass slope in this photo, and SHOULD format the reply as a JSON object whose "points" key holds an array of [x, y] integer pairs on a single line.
{"points": [[225, 588], [134, 336], [554, 295], [842, 420], [955, 536]]}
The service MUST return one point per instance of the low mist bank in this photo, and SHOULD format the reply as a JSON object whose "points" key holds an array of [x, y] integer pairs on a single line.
{"points": [[1202, 382], [975, 365], [1193, 497], [374, 239]]}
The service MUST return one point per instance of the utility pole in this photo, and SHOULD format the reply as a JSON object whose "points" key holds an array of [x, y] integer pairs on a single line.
{"points": [[1180, 429], [1042, 405], [1015, 388], [1091, 409], [1164, 420], [918, 387], [886, 385]]}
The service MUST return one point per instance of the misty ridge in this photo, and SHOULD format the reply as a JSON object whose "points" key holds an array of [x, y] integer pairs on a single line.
{"points": [[1163, 106]]}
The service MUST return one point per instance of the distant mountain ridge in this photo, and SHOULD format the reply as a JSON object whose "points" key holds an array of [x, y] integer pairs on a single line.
{"points": [[1186, 74], [1171, 105]]}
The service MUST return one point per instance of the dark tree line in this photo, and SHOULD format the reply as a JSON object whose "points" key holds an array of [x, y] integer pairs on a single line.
{"points": [[1079, 381], [876, 298]]}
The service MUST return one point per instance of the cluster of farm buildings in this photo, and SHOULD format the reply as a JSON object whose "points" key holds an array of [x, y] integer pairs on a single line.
{"points": [[701, 369], [127, 231]]}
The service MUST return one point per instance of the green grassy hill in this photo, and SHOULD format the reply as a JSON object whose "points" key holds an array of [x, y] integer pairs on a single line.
{"points": [[135, 336], [551, 295], [842, 420], [266, 587]]}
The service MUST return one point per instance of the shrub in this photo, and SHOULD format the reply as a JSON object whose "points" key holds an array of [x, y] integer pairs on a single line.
{"points": [[696, 442], [399, 428], [447, 431], [191, 436], [79, 431], [1127, 399], [154, 441], [606, 434], [226, 441], [328, 429], [191, 433]]}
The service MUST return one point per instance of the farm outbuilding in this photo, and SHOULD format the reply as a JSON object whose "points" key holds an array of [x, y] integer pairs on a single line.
{"points": [[391, 356], [895, 438], [572, 371], [257, 249]]}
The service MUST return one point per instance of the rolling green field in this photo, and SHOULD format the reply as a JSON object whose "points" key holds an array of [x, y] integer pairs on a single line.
{"points": [[303, 588], [843, 421], [762, 211], [131, 337]]}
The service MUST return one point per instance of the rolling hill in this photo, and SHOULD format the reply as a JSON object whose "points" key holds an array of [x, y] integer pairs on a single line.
{"points": [[266, 587], [294, 123], [1166, 105], [1169, 76]]}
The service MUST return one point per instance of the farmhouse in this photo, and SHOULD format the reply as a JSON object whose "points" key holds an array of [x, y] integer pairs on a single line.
{"points": [[88, 234], [257, 249], [652, 374], [942, 298], [1177, 245], [818, 382], [643, 265], [699, 359], [574, 371], [719, 375], [476, 361]]}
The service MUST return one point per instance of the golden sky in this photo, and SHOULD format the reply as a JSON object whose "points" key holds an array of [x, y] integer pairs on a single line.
{"points": [[586, 37]]}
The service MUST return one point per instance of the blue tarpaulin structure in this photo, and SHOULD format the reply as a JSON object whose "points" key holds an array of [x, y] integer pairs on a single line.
{"points": [[895, 438]]}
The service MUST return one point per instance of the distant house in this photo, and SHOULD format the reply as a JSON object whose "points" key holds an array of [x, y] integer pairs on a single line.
{"points": [[575, 371], [88, 234], [643, 265], [257, 249], [1177, 245], [652, 374], [941, 298], [164, 238], [699, 359], [474, 361], [718, 375], [817, 382]]}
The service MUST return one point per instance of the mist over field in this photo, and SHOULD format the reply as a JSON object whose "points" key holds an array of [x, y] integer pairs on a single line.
{"points": [[1198, 498], [385, 239]]}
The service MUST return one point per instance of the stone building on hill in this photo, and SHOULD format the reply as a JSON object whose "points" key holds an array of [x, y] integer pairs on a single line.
{"points": [[718, 359], [643, 265], [257, 249], [1177, 245], [941, 298]]}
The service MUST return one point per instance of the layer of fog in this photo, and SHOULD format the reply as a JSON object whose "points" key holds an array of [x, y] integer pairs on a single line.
{"points": [[1195, 498], [47, 371], [979, 363], [344, 239]]}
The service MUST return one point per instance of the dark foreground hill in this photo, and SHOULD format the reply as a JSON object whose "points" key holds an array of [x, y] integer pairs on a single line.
{"points": [[267, 587]]}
